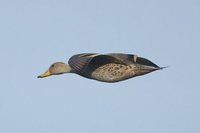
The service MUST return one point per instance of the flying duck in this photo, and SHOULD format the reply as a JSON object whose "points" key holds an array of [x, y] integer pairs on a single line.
{"points": [[113, 67]]}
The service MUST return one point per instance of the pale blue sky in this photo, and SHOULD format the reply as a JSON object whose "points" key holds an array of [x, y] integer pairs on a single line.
{"points": [[34, 34]]}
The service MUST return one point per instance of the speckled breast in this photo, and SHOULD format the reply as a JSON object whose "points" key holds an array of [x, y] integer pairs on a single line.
{"points": [[113, 72]]}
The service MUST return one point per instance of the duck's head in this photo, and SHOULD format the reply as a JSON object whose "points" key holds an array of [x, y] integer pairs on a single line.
{"points": [[56, 69]]}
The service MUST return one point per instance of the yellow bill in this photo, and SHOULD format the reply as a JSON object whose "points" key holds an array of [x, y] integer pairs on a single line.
{"points": [[47, 73]]}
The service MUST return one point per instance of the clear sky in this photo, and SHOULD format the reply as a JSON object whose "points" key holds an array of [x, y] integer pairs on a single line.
{"points": [[36, 33]]}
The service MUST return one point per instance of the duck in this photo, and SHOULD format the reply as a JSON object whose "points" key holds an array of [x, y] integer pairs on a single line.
{"points": [[110, 68]]}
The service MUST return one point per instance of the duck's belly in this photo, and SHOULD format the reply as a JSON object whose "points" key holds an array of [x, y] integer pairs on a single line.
{"points": [[113, 72]]}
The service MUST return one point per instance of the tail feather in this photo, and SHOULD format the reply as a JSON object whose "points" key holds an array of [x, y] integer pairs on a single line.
{"points": [[163, 67], [144, 69]]}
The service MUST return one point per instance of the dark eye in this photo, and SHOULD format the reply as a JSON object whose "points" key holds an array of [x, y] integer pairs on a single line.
{"points": [[52, 65]]}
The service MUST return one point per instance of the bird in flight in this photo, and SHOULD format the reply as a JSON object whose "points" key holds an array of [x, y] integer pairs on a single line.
{"points": [[113, 67]]}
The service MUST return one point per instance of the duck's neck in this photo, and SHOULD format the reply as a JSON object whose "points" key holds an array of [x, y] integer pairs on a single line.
{"points": [[67, 69]]}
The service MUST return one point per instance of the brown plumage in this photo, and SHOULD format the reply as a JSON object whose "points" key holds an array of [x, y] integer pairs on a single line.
{"points": [[112, 67]]}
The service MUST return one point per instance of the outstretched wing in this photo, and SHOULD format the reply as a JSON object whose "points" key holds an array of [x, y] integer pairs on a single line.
{"points": [[79, 61], [84, 64]]}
